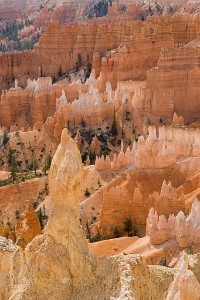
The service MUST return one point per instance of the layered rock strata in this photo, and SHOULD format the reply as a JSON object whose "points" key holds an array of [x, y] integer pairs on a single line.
{"points": [[145, 44]]}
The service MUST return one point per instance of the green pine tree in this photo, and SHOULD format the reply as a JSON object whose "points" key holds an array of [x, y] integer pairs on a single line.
{"points": [[114, 126], [128, 225]]}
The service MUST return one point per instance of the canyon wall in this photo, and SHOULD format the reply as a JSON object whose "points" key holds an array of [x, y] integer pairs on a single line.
{"points": [[60, 48], [132, 60], [173, 86]]}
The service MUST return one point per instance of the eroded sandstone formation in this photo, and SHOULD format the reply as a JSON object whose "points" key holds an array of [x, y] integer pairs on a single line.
{"points": [[143, 76], [157, 150], [159, 171], [59, 260], [6, 250], [142, 54], [27, 227], [185, 229], [185, 285]]}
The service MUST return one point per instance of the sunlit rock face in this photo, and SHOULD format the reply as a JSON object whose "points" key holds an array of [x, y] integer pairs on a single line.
{"points": [[185, 285], [185, 229]]}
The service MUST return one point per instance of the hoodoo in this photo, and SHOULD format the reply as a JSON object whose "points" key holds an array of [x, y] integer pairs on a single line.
{"points": [[99, 150]]}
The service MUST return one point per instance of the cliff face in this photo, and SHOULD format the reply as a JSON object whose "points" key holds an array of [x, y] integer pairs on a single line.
{"points": [[176, 78], [132, 195], [143, 48], [41, 13], [60, 48], [137, 46]]}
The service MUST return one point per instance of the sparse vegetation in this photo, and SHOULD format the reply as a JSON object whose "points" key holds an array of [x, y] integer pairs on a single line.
{"points": [[158, 7], [83, 124], [19, 177], [163, 262], [96, 238], [99, 9], [47, 165], [42, 217], [11, 35], [33, 166], [17, 214], [5, 138], [189, 250], [87, 193], [128, 225], [116, 232], [99, 183], [114, 125], [9, 224], [170, 8], [13, 169], [186, 212]]}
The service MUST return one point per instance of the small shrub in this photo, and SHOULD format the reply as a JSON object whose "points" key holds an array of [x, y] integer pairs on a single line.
{"points": [[83, 124], [134, 232], [186, 213], [8, 223], [98, 182], [35, 205], [5, 138], [189, 250], [163, 262], [41, 214], [128, 225], [95, 238], [87, 193], [94, 218], [116, 232], [17, 214], [114, 126]]}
